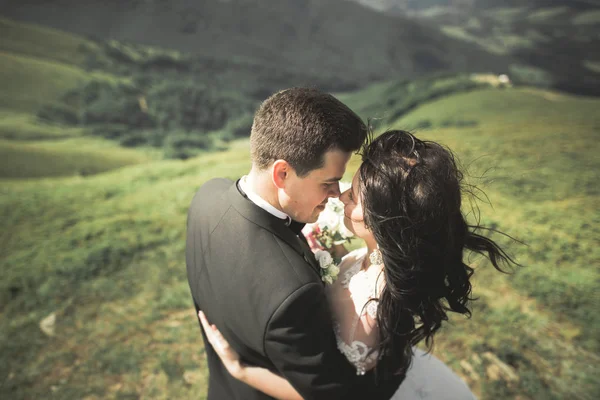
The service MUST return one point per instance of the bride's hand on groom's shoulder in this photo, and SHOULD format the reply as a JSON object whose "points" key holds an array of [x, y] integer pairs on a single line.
{"points": [[229, 357]]}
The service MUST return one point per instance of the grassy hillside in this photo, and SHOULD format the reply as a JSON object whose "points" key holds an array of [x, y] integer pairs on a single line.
{"points": [[104, 257], [37, 67], [41, 42], [25, 126], [385, 102], [58, 85], [29, 82], [64, 157]]}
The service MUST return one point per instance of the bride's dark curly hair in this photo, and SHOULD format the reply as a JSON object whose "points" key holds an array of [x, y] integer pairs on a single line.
{"points": [[411, 198]]}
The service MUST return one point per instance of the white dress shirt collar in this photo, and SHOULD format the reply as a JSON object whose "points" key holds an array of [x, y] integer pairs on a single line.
{"points": [[262, 203]]}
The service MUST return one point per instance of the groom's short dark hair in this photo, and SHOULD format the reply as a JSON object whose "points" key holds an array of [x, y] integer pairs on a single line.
{"points": [[299, 125]]}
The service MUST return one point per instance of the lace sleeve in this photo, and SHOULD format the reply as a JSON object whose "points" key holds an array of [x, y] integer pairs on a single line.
{"points": [[355, 316], [358, 348]]}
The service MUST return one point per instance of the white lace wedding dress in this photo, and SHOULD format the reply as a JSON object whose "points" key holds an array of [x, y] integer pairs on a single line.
{"points": [[357, 334]]}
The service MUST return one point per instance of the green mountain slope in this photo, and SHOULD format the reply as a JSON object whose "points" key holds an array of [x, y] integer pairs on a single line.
{"points": [[411, 5], [552, 43], [324, 37], [37, 67], [58, 85], [29, 82], [42, 43], [103, 258]]}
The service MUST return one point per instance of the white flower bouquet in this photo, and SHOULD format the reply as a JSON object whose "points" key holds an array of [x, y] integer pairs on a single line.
{"points": [[329, 230], [329, 269]]}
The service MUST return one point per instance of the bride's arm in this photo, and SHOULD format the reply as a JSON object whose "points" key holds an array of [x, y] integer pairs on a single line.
{"points": [[269, 383], [259, 378]]}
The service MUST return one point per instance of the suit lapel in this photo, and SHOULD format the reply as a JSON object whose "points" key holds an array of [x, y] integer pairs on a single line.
{"points": [[257, 215], [311, 257]]}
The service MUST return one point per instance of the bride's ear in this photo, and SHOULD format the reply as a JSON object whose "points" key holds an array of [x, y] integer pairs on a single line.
{"points": [[280, 173]]}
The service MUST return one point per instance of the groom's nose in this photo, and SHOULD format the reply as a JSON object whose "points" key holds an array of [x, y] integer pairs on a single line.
{"points": [[335, 190]]}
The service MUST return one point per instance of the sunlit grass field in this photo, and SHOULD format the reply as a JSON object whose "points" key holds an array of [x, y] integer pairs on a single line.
{"points": [[64, 157], [104, 255], [24, 126], [535, 152]]}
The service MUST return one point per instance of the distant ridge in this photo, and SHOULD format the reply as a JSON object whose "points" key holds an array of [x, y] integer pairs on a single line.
{"points": [[332, 36], [386, 5], [552, 43]]}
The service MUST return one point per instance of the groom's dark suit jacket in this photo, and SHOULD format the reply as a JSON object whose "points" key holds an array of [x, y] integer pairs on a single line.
{"points": [[259, 284]]}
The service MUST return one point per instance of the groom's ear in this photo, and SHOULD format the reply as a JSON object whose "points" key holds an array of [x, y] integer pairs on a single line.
{"points": [[281, 172]]}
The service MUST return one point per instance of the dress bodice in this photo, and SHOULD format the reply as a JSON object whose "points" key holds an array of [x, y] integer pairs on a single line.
{"points": [[358, 336], [353, 300]]}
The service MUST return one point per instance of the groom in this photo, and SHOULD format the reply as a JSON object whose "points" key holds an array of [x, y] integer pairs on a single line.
{"points": [[249, 267]]}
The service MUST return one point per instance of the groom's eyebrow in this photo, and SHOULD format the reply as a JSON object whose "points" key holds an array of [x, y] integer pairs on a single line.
{"points": [[332, 180]]}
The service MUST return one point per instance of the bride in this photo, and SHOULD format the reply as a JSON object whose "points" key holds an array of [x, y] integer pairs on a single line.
{"points": [[405, 203]]}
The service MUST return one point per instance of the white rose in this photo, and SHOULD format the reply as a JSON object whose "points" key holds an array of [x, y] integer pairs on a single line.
{"points": [[328, 219], [333, 271], [324, 258], [327, 279], [335, 206]]}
